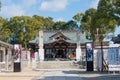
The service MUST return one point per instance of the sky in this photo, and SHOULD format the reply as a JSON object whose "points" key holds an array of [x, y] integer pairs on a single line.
{"points": [[62, 10], [59, 10]]}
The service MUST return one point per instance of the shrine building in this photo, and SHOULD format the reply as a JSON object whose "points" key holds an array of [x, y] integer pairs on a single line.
{"points": [[61, 44]]}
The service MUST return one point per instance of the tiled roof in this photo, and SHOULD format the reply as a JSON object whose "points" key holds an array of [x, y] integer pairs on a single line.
{"points": [[116, 39], [72, 35], [59, 35], [4, 44]]}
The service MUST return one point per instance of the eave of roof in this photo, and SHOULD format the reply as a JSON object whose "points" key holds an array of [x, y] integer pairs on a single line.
{"points": [[4, 44], [116, 39]]}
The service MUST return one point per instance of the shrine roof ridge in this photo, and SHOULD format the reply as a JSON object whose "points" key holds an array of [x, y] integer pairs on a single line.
{"points": [[60, 31]]}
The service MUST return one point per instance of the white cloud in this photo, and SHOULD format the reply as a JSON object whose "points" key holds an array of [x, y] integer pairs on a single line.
{"points": [[12, 10], [53, 5], [94, 4]]}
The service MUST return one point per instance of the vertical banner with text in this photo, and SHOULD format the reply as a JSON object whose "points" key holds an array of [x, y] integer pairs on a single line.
{"points": [[89, 56], [17, 57]]}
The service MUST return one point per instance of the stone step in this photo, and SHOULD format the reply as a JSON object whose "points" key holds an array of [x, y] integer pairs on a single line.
{"points": [[57, 65]]}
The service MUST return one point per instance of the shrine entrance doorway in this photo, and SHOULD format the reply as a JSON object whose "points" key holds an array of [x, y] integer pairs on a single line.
{"points": [[59, 49]]}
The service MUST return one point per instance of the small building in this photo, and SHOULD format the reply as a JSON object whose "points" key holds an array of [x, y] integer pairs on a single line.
{"points": [[6, 59]]}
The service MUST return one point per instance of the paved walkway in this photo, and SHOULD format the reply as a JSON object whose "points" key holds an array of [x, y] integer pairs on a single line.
{"points": [[76, 75], [99, 75], [23, 75], [50, 74], [59, 75]]}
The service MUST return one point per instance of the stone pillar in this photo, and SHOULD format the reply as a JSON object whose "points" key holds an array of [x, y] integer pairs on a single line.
{"points": [[78, 49], [41, 54], [28, 55], [41, 50], [29, 60], [6, 59], [78, 53]]}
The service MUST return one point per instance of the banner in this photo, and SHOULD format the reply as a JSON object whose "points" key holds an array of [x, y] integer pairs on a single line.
{"points": [[89, 51], [114, 59], [17, 53], [89, 56]]}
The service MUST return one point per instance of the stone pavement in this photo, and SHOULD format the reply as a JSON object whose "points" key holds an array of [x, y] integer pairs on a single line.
{"points": [[59, 75], [54, 74], [23, 75], [28, 73], [76, 75], [99, 75]]}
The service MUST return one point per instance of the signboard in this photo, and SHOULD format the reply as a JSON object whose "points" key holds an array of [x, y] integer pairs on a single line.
{"points": [[17, 52], [17, 57], [89, 52], [114, 59], [89, 56]]}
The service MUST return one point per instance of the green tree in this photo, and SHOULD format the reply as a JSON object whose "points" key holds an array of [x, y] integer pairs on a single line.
{"points": [[83, 21], [103, 21], [4, 30], [40, 19], [86, 22], [48, 23], [1, 21], [24, 29], [77, 19], [71, 25], [112, 8], [59, 25]]}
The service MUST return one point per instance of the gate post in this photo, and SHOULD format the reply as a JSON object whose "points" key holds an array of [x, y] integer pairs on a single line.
{"points": [[41, 50]]}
